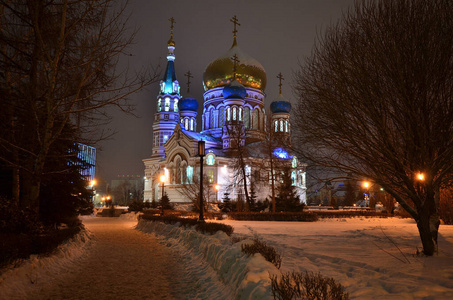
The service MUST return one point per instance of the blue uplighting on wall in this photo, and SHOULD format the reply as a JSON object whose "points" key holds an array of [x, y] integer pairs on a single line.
{"points": [[281, 153]]}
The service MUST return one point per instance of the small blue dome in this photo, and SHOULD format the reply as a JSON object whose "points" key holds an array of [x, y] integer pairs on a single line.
{"points": [[188, 104], [280, 106], [234, 90]]}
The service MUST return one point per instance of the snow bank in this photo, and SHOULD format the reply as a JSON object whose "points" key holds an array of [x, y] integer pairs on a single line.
{"points": [[248, 277], [18, 282]]}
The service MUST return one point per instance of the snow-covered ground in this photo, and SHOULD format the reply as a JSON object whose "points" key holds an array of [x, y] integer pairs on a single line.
{"points": [[114, 260], [360, 254]]}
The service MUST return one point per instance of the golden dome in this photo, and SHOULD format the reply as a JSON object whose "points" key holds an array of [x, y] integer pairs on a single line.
{"points": [[250, 73]]}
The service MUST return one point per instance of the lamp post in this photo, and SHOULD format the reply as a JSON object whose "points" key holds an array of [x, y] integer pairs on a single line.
{"points": [[162, 179], [216, 187], [366, 185], [201, 153]]}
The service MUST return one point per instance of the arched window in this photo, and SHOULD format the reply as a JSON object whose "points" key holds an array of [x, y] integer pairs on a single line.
{"points": [[186, 124], [159, 104], [162, 87], [294, 162], [175, 105], [286, 126], [234, 113], [167, 104], [210, 159], [221, 116], [228, 114], [189, 173], [276, 125], [293, 178], [211, 118], [247, 117], [191, 124], [240, 114], [281, 125], [177, 171], [255, 119]]}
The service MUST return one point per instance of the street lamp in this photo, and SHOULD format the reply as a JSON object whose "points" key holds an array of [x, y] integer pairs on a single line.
{"points": [[162, 179], [216, 187], [201, 153], [366, 185], [420, 176]]}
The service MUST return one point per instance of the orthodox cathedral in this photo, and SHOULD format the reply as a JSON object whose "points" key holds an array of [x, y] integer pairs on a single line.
{"points": [[233, 117]]}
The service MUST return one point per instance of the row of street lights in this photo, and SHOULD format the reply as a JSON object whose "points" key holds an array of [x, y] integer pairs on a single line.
{"points": [[367, 185]]}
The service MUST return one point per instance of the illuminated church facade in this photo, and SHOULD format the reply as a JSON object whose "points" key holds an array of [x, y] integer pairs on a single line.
{"points": [[233, 117]]}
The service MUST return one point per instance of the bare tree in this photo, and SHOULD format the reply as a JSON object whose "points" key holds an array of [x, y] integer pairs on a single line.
{"points": [[58, 69], [376, 100]]}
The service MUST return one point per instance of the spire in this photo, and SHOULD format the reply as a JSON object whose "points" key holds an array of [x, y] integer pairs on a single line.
{"points": [[234, 20], [280, 77], [235, 60], [169, 84], [188, 75], [170, 41]]}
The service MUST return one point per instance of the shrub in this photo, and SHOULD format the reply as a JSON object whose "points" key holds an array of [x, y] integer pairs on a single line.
{"points": [[283, 216], [308, 285], [212, 228], [269, 253], [136, 206], [204, 227], [15, 219]]}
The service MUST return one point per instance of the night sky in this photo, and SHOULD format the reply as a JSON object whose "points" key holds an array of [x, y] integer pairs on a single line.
{"points": [[279, 34]]}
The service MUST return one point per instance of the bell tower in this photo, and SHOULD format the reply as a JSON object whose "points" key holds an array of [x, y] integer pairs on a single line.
{"points": [[167, 113]]}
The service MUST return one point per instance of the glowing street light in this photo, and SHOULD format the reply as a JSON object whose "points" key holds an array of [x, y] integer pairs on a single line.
{"points": [[162, 179], [216, 187], [420, 176], [367, 185]]}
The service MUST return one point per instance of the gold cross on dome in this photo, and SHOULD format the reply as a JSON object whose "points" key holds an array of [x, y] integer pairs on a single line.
{"points": [[280, 77], [172, 21], [235, 60], [188, 75], [235, 20]]}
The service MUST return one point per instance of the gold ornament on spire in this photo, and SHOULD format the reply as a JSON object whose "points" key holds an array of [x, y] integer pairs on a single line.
{"points": [[171, 42], [235, 20], [280, 77], [188, 75]]}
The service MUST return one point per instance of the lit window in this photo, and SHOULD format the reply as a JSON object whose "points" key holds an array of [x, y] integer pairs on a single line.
{"points": [[228, 114], [175, 105], [189, 173], [167, 104], [191, 124], [240, 113], [293, 178], [162, 87], [294, 162], [210, 160], [281, 125], [234, 113], [286, 126], [186, 124], [159, 104], [276, 125], [211, 176]]}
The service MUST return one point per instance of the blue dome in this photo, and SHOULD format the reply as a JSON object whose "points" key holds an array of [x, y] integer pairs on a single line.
{"points": [[280, 106], [188, 104], [234, 90]]}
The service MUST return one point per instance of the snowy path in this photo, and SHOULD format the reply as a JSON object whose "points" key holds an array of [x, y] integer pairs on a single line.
{"points": [[121, 263]]}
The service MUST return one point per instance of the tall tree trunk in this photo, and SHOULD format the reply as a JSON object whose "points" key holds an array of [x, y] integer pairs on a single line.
{"points": [[428, 224]]}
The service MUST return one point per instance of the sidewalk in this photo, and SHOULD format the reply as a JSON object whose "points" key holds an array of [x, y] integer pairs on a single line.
{"points": [[122, 263]]}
